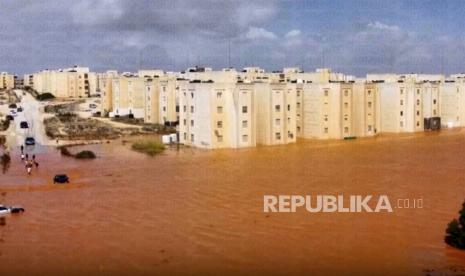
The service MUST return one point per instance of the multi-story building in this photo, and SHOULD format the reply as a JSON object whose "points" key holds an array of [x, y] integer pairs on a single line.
{"points": [[327, 110], [216, 115], [7, 81], [275, 105], [105, 88], [76, 82], [151, 101], [128, 96], [452, 103]]}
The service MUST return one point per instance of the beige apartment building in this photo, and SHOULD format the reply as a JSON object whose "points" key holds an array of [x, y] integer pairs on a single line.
{"points": [[365, 109], [401, 106], [275, 105], [216, 115], [128, 96], [151, 101], [105, 88], [76, 82], [327, 110], [452, 103], [7, 81]]}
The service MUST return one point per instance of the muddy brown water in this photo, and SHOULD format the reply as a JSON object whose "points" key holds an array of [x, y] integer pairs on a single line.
{"points": [[196, 212]]}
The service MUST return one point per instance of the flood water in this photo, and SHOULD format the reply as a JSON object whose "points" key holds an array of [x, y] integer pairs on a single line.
{"points": [[201, 212]]}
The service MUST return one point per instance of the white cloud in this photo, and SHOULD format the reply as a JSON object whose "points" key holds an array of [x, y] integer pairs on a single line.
{"points": [[384, 27], [293, 33], [255, 33]]}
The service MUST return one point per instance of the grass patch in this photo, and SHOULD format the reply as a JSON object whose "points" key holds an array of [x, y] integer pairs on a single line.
{"points": [[151, 148]]}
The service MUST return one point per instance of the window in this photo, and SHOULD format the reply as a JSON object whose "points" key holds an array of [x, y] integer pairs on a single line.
{"points": [[369, 104], [164, 108], [346, 105], [164, 88], [177, 108], [434, 101], [185, 136], [298, 128], [192, 109], [184, 108], [401, 102], [346, 93], [298, 93], [326, 130], [401, 124], [245, 138], [244, 124], [278, 122], [278, 135], [219, 124], [192, 95], [192, 137], [277, 108], [184, 123], [298, 105], [418, 102], [418, 113], [370, 127], [402, 113], [418, 91], [192, 122], [434, 111], [219, 109], [402, 91], [219, 94], [369, 92], [346, 130], [288, 107], [244, 109], [220, 138], [418, 123], [326, 93]]}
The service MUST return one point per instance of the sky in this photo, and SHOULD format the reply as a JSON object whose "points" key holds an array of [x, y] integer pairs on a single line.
{"points": [[353, 37]]}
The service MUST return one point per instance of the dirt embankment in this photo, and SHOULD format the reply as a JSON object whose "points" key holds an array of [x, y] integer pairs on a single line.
{"points": [[66, 125]]}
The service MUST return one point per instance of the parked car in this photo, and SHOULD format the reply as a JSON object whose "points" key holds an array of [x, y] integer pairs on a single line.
{"points": [[61, 179], [10, 210], [9, 117], [20, 109], [13, 106], [92, 105], [23, 124], [29, 141]]}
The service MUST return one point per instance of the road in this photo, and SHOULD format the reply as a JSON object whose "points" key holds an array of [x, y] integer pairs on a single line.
{"points": [[33, 115]]}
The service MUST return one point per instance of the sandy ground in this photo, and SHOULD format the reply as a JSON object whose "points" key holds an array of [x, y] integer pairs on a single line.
{"points": [[33, 113]]}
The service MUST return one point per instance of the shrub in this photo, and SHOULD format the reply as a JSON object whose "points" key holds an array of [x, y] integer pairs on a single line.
{"points": [[151, 148], [455, 232], [86, 154], [65, 152], [45, 96], [4, 125]]}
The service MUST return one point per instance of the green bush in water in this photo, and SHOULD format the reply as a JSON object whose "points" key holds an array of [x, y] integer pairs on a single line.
{"points": [[151, 148]]}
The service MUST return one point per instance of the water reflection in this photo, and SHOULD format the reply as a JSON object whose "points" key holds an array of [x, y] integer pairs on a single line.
{"points": [[5, 161]]}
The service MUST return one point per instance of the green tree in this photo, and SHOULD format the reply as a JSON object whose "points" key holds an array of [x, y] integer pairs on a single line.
{"points": [[455, 232]]}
